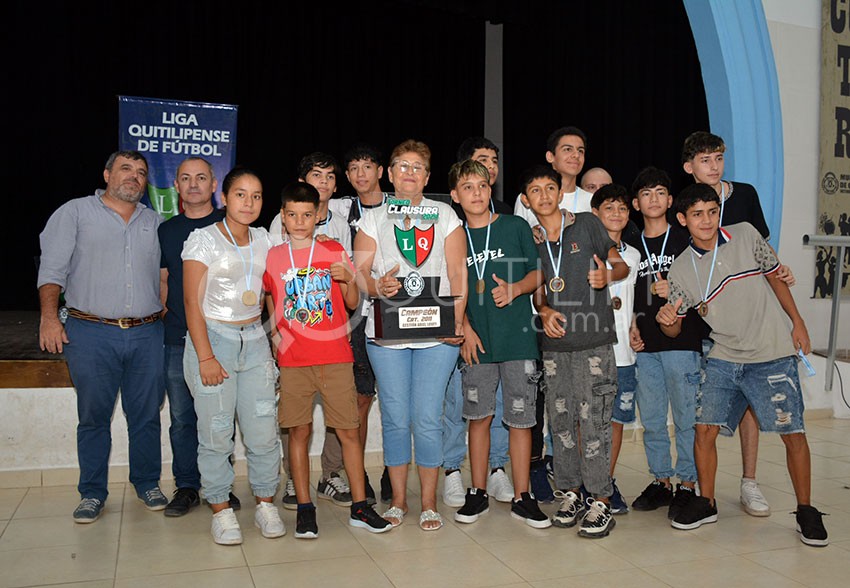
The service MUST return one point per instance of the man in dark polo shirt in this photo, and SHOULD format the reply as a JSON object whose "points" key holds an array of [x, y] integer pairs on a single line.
{"points": [[102, 251]]}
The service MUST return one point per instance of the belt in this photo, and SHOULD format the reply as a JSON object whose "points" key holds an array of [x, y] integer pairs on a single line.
{"points": [[124, 323]]}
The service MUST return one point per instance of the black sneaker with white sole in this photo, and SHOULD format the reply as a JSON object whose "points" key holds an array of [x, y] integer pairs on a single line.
{"points": [[598, 521], [527, 509], [365, 517], [654, 496], [335, 489], [571, 511], [305, 524], [477, 503], [810, 526], [697, 512], [681, 497]]}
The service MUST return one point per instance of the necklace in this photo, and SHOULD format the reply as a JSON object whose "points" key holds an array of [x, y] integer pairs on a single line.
{"points": [[652, 271], [616, 301], [556, 284], [249, 297], [702, 307], [302, 313], [479, 285]]}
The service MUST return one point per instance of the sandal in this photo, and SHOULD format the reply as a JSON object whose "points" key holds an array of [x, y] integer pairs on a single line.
{"points": [[428, 516], [394, 512]]}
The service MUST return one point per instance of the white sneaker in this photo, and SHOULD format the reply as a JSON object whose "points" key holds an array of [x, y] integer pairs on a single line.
{"points": [[267, 520], [499, 486], [225, 528], [454, 494], [753, 500]]}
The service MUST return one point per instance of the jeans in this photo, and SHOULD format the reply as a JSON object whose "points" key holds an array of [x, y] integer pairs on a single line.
{"points": [[668, 379], [183, 431], [412, 389], [624, 403], [454, 428], [249, 394], [101, 360]]}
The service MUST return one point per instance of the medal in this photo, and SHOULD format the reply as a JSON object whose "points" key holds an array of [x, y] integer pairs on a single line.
{"points": [[249, 297], [480, 286], [302, 314], [617, 303], [653, 289], [702, 308], [652, 272], [557, 284]]}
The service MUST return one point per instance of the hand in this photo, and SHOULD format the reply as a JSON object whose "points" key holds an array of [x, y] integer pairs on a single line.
{"points": [[598, 278], [341, 270], [662, 286], [212, 374], [471, 346], [51, 335], [553, 323], [321, 238], [503, 293], [635, 340], [800, 336], [538, 234], [784, 273], [669, 313], [387, 285]]}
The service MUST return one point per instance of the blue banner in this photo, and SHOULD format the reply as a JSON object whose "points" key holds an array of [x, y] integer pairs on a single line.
{"points": [[169, 131]]}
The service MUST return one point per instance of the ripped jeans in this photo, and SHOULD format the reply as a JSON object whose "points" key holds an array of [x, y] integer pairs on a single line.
{"points": [[580, 390], [247, 394], [518, 379], [772, 388]]}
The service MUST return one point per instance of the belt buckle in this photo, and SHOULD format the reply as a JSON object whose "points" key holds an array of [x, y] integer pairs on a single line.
{"points": [[125, 323]]}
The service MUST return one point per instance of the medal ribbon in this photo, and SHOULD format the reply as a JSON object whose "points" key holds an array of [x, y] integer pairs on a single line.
{"points": [[557, 267], [301, 302], [652, 271], [480, 274], [710, 273], [249, 272], [360, 207]]}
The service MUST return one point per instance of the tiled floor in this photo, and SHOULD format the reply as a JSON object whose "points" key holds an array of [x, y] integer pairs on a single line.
{"points": [[129, 546]]}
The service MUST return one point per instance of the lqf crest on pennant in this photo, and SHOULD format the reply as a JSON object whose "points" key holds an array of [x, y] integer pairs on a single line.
{"points": [[415, 244]]}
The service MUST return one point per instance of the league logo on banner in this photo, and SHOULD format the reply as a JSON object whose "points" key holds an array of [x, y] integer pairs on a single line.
{"points": [[415, 244], [169, 131]]}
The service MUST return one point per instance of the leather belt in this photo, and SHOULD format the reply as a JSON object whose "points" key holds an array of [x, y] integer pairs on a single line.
{"points": [[124, 323]]}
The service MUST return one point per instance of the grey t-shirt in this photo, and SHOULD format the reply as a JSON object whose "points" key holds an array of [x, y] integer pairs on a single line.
{"points": [[748, 325]]}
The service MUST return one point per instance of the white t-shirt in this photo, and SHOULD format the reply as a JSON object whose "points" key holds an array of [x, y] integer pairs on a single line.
{"points": [[625, 291], [380, 226], [575, 202], [336, 227], [229, 271]]}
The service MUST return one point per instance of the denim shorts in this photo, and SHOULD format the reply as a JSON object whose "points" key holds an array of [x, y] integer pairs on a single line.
{"points": [[519, 389], [771, 388], [624, 402]]}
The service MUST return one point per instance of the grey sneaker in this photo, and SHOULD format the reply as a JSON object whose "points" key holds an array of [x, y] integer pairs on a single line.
{"points": [[571, 511], [290, 502], [335, 489], [154, 499], [88, 511], [598, 521]]}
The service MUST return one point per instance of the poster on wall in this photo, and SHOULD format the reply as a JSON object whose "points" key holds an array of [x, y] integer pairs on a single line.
{"points": [[834, 189], [168, 131]]}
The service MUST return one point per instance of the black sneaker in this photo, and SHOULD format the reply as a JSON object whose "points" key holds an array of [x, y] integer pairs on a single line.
{"points": [[476, 503], [618, 503], [367, 518], [571, 511], [289, 500], [697, 512], [88, 511], [526, 509], [539, 482], [598, 521], [235, 504], [305, 524], [653, 496], [182, 501], [335, 489], [681, 498], [810, 526], [386, 487], [370, 492]]}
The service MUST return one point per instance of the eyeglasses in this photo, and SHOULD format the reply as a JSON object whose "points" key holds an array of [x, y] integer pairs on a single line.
{"points": [[406, 166]]}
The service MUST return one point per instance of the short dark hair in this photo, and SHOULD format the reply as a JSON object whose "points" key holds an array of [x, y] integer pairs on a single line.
{"points": [[233, 175], [555, 136], [129, 154], [535, 172], [361, 151], [693, 194], [299, 192], [615, 192], [701, 142], [649, 177], [471, 144], [466, 167], [316, 159]]}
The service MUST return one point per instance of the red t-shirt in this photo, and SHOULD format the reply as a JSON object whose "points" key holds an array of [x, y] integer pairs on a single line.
{"points": [[310, 312]]}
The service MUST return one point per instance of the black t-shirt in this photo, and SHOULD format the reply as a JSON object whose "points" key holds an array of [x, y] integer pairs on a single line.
{"points": [[172, 234], [743, 205], [647, 304]]}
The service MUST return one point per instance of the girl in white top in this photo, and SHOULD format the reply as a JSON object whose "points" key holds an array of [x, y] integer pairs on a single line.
{"points": [[227, 363], [412, 377]]}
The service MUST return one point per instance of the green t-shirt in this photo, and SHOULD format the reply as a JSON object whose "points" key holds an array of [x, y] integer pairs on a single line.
{"points": [[506, 333]]}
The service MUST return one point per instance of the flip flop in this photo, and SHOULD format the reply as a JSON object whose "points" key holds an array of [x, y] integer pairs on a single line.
{"points": [[429, 516], [394, 512]]}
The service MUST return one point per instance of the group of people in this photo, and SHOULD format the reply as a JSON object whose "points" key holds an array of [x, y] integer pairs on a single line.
{"points": [[568, 321]]}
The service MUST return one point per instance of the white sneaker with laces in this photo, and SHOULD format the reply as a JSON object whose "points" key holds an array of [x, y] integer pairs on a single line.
{"points": [[454, 494], [499, 486], [267, 519], [752, 499], [225, 528]]}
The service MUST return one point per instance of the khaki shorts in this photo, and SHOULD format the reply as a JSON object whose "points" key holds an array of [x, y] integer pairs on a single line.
{"points": [[335, 384]]}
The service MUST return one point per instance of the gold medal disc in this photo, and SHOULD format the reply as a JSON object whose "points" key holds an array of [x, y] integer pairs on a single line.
{"points": [[479, 287], [556, 284], [702, 308], [653, 289], [249, 298]]}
